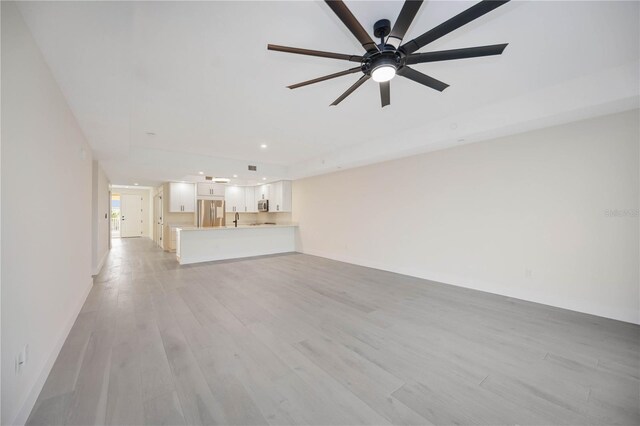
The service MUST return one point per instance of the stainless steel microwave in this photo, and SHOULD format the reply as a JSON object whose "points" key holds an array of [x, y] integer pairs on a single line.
{"points": [[263, 205]]}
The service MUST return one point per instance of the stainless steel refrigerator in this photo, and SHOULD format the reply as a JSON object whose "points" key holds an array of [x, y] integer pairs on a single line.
{"points": [[211, 213]]}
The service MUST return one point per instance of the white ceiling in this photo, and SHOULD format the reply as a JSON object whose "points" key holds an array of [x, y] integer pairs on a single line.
{"points": [[198, 75]]}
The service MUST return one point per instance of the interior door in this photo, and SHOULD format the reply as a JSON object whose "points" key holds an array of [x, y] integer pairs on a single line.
{"points": [[159, 223], [130, 215], [156, 220]]}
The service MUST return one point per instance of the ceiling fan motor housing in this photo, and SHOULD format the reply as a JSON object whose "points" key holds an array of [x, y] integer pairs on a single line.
{"points": [[381, 59]]}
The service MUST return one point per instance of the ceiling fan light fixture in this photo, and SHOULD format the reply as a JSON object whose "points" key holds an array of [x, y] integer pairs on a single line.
{"points": [[383, 73]]}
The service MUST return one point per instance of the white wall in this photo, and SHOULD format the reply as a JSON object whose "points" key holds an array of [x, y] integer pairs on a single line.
{"points": [[46, 233], [483, 215], [101, 213]]}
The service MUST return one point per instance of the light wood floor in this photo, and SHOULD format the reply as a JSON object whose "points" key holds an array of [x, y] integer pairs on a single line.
{"points": [[297, 339]]}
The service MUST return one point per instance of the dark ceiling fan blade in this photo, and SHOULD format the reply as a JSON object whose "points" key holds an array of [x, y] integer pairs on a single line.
{"points": [[351, 89], [385, 93], [418, 77], [320, 53], [347, 18], [463, 18], [326, 77], [408, 12], [448, 55]]}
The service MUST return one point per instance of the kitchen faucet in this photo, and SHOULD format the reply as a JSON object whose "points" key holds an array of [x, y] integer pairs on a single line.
{"points": [[237, 218]]}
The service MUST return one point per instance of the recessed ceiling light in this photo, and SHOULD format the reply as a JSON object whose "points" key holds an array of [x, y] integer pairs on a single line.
{"points": [[136, 184], [235, 175], [264, 178], [264, 145], [200, 173]]}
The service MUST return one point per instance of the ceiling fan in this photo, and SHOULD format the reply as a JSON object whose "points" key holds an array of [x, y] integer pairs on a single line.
{"points": [[383, 61]]}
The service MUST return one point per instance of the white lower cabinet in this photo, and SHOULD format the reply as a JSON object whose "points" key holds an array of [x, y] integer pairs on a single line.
{"points": [[172, 237]]}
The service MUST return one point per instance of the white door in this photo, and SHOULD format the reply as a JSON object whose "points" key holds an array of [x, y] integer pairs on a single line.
{"points": [[157, 220], [130, 215], [160, 221]]}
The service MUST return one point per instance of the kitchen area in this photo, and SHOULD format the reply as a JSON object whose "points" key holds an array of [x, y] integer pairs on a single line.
{"points": [[213, 220]]}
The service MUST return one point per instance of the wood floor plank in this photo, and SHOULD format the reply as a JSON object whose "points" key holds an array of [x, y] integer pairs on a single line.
{"points": [[51, 411], [445, 402], [199, 407], [155, 373], [124, 403], [366, 380], [89, 401], [540, 400], [65, 371], [349, 408], [164, 409]]}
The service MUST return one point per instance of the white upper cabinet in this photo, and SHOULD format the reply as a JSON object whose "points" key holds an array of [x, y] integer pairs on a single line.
{"points": [[275, 197], [280, 196], [250, 202], [262, 192], [206, 189], [234, 199], [244, 199], [182, 197]]}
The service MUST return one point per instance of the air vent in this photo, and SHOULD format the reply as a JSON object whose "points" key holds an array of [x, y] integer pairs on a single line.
{"points": [[253, 168], [208, 177]]}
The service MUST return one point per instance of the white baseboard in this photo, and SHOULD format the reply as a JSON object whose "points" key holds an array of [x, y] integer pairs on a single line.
{"points": [[100, 264], [26, 407]]}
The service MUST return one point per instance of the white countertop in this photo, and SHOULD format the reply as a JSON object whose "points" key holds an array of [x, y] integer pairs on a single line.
{"points": [[223, 228]]}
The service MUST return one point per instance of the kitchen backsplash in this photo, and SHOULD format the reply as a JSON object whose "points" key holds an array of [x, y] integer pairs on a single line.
{"points": [[249, 218]]}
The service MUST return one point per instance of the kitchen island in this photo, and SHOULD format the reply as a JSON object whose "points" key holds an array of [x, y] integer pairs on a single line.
{"points": [[194, 245]]}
